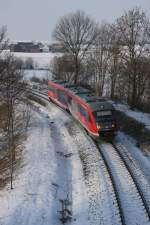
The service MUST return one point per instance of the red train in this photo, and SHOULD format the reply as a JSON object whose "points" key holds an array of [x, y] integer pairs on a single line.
{"points": [[95, 114]]}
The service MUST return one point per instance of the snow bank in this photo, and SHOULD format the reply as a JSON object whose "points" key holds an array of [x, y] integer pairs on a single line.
{"points": [[137, 115]]}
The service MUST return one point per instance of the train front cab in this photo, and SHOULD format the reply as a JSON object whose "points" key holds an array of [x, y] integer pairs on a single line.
{"points": [[105, 122], [95, 114]]}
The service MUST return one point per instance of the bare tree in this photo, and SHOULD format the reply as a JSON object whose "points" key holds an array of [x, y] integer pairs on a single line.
{"points": [[115, 61], [3, 39], [3, 45], [11, 90], [76, 32], [100, 57], [63, 67], [134, 30]]}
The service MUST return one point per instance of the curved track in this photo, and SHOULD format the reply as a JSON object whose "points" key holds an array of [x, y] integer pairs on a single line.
{"points": [[134, 207], [136, 173], [131, 202], [115, 198]]}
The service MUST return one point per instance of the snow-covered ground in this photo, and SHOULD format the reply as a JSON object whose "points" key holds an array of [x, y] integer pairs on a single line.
{"points": [[41, 63], [46, 176], [135, 153], [137, 161], [131, 202], [59, 163], [41, 74], [137, 115], [41, 60], [52, 170]]}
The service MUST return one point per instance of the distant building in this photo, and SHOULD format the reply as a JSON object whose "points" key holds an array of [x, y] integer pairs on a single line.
{"points": [[25, 47], [44, 48]]}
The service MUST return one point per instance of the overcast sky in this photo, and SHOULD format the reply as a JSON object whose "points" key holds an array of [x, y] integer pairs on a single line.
{"points": [[36, 19]]}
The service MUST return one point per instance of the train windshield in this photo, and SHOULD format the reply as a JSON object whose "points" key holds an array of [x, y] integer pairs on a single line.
{"points": [[103, 116]]}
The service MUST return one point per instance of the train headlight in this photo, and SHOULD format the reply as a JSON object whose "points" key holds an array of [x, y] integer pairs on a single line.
{"points": [[98, 126], [113, 125]]}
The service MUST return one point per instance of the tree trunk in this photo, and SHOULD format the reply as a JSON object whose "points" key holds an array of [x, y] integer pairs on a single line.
{"points": [[76, 70], [133, 97], [112, 88]]}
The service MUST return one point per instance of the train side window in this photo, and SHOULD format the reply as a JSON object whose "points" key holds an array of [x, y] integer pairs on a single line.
{"points": [[61, 96], [74, 105], [50, 88], [84, 113]]}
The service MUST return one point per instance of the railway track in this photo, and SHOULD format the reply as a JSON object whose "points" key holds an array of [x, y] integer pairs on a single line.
{"points": [[118, 199], [132, 203], [114, 196], [137, 175]]}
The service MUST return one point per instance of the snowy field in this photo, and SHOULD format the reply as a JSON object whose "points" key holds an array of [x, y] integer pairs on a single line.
{"points": [[41, 60], [40, 74], [41, 63]]}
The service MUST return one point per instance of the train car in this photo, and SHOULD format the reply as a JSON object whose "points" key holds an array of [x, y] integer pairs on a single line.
{"points": [[57, 93], [96, 115], [80, 110], [104, 116]]}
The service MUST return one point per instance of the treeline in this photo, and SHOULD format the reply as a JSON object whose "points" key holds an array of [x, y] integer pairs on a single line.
{"points": [[14, 111], [114, 59]]}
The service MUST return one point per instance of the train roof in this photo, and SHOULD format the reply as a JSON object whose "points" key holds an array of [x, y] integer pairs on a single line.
{"points": [[96, 103], [101, 105], [60, 82], [78, 90], [73, 88], [90, 97]]}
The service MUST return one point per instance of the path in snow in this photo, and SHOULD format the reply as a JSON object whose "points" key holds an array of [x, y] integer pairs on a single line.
{"points": [[44, 177]]}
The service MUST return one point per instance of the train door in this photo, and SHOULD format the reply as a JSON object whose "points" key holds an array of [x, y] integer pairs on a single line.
{"points": [[84, 116], [73, 106], [61, 97]]}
